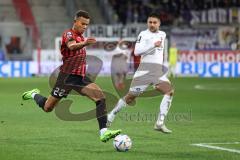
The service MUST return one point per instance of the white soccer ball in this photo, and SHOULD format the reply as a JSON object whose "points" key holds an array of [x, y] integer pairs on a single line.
{"points": [[122, 143]]}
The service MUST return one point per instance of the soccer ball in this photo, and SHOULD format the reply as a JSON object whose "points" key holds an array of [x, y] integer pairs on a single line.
{"points": [[122, 143]]}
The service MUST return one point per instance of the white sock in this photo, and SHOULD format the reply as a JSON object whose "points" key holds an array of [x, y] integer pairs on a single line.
{"points": [[164, 108], [121, 103], [33, 94], [102, 131]]}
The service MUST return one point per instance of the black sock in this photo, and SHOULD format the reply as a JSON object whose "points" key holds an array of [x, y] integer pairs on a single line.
{"points": [[40, 100], [101, 113]]}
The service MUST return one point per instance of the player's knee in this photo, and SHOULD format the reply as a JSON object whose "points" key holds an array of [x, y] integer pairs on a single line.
{"points": [[102, 96], [99, 96], [129, 99], [165, 89], [171, 92], [157, 87]]}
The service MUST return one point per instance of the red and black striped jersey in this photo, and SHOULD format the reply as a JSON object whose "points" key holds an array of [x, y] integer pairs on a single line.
{"points": [[74, 61]]}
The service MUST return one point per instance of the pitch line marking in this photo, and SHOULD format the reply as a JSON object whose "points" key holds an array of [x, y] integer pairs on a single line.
{"points": [[213, 87], [223, 143], [210, 145]]}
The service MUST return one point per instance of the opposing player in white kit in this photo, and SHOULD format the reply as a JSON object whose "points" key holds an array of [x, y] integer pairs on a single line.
{"points": [[150, 45]]}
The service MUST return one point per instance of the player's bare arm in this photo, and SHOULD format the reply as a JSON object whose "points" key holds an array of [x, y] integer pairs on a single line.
{"points": [[73, 45]]}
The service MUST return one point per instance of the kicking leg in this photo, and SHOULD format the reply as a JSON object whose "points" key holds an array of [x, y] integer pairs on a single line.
{"points": [[93, 92]]}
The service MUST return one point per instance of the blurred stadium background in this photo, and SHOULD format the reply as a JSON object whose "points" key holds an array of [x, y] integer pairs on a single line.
{"points": [[207, 36], [206, 33]]}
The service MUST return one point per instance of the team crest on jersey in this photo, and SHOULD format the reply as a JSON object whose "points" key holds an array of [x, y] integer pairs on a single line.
{"points": [[69, 35], [79, 39]]}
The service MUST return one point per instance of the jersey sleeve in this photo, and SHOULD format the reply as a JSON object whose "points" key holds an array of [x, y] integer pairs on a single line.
{"points": [[67, 36], [142, 47]]}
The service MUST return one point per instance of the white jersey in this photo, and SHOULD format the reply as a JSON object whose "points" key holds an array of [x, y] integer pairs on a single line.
{"points": [[145, 46], [147, 72]]}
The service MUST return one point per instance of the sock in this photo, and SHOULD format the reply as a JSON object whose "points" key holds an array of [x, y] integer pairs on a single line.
{"points": [[33, 94], [101, 113], [102, 131], [164, 108], [121, 104], [40, 100]]}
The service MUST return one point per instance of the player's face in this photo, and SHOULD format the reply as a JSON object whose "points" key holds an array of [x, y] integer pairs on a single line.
{"points": [[81, 24], [153, 24]]}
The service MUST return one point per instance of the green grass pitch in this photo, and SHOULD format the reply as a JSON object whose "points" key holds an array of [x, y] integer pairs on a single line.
{"points": [[203, 111]]}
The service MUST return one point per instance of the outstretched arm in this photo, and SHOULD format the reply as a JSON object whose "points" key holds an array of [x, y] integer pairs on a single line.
{"points": [[142, 47], [73, 45]]}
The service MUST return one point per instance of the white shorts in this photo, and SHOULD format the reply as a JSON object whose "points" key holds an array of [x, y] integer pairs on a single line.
{"points": [[147, 75]]}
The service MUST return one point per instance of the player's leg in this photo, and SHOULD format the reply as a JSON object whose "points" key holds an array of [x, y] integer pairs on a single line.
{"points": [[166, 89], [59, 91], [95, 93], [47, 104], [133, 93], [139, 84], [51, 103], [123, 102]]}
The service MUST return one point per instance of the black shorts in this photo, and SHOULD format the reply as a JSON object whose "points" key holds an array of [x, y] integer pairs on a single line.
{"points": [[67, 82]]}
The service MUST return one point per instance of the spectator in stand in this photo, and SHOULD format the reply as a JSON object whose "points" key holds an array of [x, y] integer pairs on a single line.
{"points": [[130, 11], [14, 46]]}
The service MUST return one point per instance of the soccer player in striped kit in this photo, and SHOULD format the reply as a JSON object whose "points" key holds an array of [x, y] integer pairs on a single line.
{"points": [[72, 75]]}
